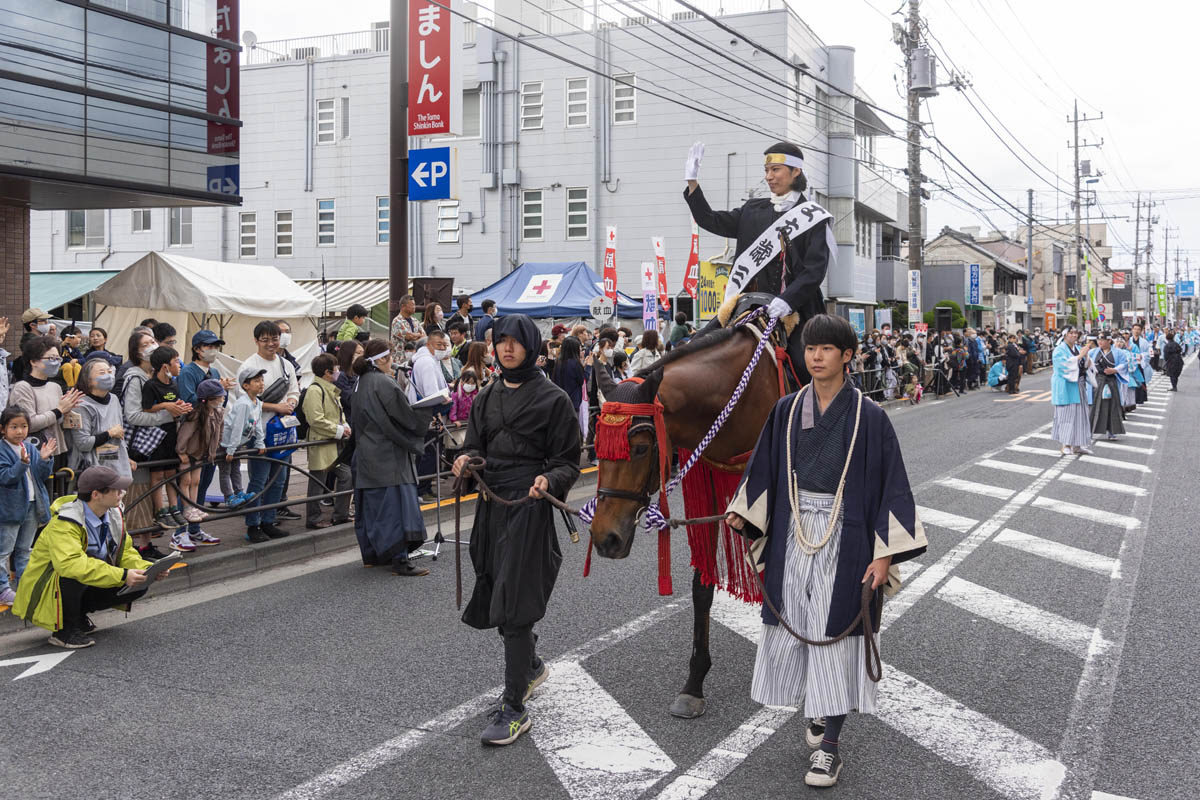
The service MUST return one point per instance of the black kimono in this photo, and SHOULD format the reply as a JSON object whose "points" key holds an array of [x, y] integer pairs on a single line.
{"points": [[796, 275], [523, 433], [1014, 359]]}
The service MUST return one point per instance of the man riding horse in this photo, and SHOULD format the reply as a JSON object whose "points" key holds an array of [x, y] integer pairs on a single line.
{"points": [[785, 244]]}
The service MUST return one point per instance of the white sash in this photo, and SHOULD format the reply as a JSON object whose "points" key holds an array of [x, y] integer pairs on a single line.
{"points": [[766, 247]]}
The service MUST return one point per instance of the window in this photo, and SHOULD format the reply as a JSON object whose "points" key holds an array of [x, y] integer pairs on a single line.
{"points": [[283, 234], [531, 106], [248, 224], [577, 213], [470, 112], [577, 102], [864, 235], [624, 100], [345, 129], [383, 220], [821, 99], [531, 216], [326, 122], [449, 228], [326, 224], [85, 228], [141, 220], [181, 227]]}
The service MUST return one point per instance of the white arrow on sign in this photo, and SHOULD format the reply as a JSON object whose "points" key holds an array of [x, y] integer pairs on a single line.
{"points": [[433, 170], [43, 663]]}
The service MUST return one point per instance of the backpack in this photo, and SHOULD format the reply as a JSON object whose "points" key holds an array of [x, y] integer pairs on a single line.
{"points": [[302, 429]]}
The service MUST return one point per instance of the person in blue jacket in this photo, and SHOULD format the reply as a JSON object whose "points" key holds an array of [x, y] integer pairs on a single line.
{"points": [[24, 502]]}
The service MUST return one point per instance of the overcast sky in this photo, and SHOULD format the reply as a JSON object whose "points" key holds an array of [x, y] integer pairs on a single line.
{"points": [[1028, 60]]}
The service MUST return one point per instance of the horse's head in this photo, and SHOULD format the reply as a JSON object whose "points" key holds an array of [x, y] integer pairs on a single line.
{"points": [[628, 451]]}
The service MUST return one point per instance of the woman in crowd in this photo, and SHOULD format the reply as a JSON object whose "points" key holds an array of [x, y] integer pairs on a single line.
{"points": [[42, 397], [569, 375], [347, 353], [97, 347], [477, 362], [100, 438], [647, 353], [433, 318], [390, 435]]}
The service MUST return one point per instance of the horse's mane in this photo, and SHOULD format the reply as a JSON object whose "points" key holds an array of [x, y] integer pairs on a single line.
{"points": [[693, 345]]}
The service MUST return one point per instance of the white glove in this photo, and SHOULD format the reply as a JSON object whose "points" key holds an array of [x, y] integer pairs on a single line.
{"points": [[778, 308], [691, 169]]}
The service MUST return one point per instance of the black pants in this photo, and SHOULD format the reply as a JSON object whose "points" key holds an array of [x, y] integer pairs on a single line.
{"points": [[520, 659], [79, 599], [1174, 381], [334, 479]]}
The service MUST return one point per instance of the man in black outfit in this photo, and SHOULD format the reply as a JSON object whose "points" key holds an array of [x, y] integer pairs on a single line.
{"points": [[794, 277], [527, 430], [1014, 359]]}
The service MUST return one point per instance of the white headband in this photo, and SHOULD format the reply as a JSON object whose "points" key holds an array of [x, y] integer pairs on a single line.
{"points": [[379, 356], [796, 162]]}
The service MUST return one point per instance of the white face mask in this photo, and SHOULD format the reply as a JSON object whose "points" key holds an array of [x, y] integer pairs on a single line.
{"points": [[441, 355], [468, 387], [608, 352], [285, 339], [43, 327], [147, 350], [208, 354]]}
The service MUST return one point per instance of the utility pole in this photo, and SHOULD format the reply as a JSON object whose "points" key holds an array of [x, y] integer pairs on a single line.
{"points": [[914, 143], [1150, 221], [1081, 278], [398, 145], [1177, 301], [1029, 265], [1166, 251], [1137, 243]]}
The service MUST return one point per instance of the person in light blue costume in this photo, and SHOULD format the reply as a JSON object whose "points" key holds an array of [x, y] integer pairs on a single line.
{"points": [[1068, 392], [1137, 372], [1129, 385], [1108, 418], [996, 375], [1145, 347]]}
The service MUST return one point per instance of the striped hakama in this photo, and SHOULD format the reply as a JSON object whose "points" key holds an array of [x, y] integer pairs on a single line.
{"points": [[824, 681], [1072, 428], [1128, 398]]}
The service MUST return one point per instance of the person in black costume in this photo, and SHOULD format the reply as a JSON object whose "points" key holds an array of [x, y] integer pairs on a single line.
{"points": [[795, 276], [528, 431]]}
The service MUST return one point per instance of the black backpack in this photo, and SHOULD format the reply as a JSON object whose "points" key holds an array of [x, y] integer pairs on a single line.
{"points": [[302, 428]]}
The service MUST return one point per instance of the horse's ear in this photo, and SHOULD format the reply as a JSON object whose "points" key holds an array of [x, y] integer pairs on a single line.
{"points": [[651, 383]]}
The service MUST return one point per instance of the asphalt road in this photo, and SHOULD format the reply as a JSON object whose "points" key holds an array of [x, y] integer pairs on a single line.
{"points": [[1043, 647]]}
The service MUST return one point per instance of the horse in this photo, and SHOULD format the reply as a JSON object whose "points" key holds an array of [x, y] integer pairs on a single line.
{"points": [[692, 383]]}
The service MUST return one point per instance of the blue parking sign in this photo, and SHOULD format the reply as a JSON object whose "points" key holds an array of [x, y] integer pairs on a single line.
{"points": [[430, 175]]}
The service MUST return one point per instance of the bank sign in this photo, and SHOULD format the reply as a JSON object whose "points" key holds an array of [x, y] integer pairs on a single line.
{"points": [[222, 90], [434, 69]]}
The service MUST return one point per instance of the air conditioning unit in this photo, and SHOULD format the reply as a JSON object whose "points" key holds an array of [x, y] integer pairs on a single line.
{"points": [[629, 22], [684, 16], [358, 51], [306, 52]]}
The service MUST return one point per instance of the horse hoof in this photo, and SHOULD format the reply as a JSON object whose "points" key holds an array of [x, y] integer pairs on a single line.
{"points": [[688, 707]]}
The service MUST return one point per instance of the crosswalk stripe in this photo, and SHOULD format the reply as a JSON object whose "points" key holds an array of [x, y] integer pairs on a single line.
{"points": [[977, 488], [1129, 448], [908, 569], [1108, 486], [1008, 466], [1056, 551], [1129, 422], [1142, 415], [1107, 796], [594, 747], [1114, 462], [1009, 763], [944, 519], [1085, 512], [741, 618], [1039, 451], [1133, 435], [1037, 623]]}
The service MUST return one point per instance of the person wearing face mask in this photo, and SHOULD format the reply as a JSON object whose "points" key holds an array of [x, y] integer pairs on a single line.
{"points": [[100, 438], [428, 379], [36, 322], [205, 347], [42, 398], [323, 411], [464, 395], [285, 342]]}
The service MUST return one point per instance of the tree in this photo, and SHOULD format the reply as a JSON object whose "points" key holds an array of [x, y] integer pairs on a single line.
{"points": [[957, 320]]}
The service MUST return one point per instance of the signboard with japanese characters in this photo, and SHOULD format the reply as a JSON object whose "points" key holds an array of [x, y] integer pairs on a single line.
{"points": [[691, 278], [610, 264], [660, 260], [914, 294], [222, 83], [1118, 280], [434, 69], [1160, 291], [649, 297]]}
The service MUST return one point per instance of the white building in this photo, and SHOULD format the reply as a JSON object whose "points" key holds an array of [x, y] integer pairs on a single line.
{"points": [[551, 153]]}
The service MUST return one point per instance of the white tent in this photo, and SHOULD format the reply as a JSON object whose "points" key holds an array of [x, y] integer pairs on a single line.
{"points": [[192, 293]]}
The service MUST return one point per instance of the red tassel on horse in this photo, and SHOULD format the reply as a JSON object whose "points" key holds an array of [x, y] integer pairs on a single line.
{"points": [[612, 436]]}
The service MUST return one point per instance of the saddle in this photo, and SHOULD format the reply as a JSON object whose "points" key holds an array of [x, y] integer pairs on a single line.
{"points": [[738, 308]]}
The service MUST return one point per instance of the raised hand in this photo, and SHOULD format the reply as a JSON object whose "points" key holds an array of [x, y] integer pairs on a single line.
{"points": [[691, 168], [47, 450]]}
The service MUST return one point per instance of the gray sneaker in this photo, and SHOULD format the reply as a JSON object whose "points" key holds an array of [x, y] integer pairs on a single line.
{"points": [[505, 726], [814, 732], [824, 770]]}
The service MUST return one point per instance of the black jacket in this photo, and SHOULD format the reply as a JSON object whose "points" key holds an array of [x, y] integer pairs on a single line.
{"points": [[807, 256]]}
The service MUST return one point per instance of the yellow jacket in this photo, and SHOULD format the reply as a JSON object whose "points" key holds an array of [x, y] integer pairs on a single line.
{"points": [[61, 551], [323, 411]]}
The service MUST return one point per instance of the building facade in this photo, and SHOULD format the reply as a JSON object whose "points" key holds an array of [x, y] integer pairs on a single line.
{"points": [[550, 154]]}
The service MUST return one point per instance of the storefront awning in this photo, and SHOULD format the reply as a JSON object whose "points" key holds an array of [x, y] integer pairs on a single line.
{"points": [[49, 290], [975, 307], [336, 296]]}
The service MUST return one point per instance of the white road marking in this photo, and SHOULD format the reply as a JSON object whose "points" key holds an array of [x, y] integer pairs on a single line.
{"points": [[1056, 551], [41, 663], [944, 519], [1036, 623], [1113, 462], [1129, 422], [1107, 796], [1037, 451], [1008, 466], [728, 755], [1108, 486], [1086, 512], [908, 569], [594, 747], [1128, 448], [1133, 435], [396, 747], [985, 489], [1150, 416], [1015, 767], [744, 619]]}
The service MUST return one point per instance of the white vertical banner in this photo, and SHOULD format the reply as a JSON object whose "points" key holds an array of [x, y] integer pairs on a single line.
{"points": [[914, 296]]}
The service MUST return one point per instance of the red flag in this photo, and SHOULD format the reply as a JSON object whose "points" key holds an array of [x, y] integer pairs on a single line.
{"points": [[660, 258], [610, 265], [691, 279]]}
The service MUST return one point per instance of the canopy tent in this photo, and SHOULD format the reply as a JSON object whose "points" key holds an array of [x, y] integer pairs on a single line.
{"points": [[338, 295], [192, 293], [56, 288], [556, 290]]}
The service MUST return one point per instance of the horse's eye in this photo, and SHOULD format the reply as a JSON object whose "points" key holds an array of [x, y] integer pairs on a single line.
{"points": [[640, 450]]}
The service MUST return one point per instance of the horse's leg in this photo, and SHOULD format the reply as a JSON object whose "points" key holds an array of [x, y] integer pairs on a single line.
{"points": [[690, 702]]}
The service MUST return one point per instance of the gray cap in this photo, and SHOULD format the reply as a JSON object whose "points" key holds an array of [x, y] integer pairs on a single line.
{"points": [[249, 373], [98, 479]]}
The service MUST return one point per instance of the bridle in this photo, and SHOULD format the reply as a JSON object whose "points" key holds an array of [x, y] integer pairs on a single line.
{"points": [[642, 424]]}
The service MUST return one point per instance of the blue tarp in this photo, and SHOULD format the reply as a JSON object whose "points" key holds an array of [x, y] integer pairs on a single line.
{"points": [[550, 290]]}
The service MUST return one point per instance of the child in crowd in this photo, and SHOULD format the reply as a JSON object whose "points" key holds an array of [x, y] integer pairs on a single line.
{"points": [[158, 393], [241, 428], [463, 396], [24, 503], [200, 435]]}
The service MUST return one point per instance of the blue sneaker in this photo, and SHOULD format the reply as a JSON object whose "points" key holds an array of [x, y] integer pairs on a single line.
{"points": [[506, 725]]}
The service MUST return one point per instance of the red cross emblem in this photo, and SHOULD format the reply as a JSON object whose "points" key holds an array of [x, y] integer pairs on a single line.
{"points": [[612, 235], [648, 273], [544, 286]]}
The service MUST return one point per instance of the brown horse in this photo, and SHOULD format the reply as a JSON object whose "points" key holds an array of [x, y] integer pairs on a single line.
{"points": [[693, 383]]}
